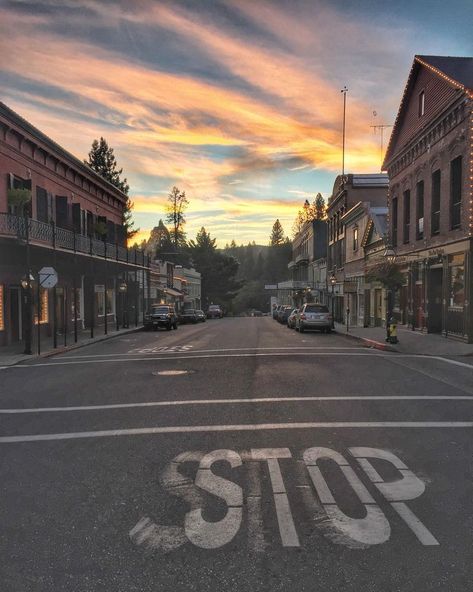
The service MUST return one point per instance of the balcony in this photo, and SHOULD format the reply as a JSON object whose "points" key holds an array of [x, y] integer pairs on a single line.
{"points": [[48, 235]]}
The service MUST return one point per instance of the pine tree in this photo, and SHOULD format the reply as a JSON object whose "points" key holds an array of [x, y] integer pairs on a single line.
{"points": [[175, 216], [319, 207], [277, 234], [102, 160], [298, 223]]}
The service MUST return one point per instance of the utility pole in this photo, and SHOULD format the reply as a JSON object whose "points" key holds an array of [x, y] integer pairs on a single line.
{"points": [[381, 127], [344, 92]]}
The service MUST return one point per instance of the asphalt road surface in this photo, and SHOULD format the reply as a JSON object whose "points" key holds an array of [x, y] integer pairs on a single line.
{"points": [[236, 455]]}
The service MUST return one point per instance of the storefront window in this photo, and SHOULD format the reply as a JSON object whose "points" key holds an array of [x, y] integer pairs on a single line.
{"points": [[2, 318], [44, 308], [110, 301], [100, 300], [457, 280]]}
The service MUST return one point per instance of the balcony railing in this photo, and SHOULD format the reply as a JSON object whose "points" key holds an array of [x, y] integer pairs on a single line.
{"points": [[50, 235]]}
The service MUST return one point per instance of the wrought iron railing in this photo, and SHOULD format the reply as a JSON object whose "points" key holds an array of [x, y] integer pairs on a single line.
{"points": [[41, 233]]}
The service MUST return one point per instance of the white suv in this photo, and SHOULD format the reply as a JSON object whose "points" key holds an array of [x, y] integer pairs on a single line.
{"points": [[314, 316]]}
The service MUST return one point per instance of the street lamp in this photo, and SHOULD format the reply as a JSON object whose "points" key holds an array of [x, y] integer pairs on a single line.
{"points": [[390, 255], [333, 281], [26, 283]]}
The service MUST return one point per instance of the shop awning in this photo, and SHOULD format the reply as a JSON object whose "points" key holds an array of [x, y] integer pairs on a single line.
{"points": [[172, 292]]}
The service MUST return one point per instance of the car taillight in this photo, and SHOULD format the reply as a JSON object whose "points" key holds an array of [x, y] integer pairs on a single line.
{"points": [[302, 317], [329, 317]]}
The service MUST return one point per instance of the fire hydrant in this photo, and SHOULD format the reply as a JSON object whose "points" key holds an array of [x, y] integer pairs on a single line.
{"points": [[392, 331]]}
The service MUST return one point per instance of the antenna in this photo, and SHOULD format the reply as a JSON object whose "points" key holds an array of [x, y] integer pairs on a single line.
{"points": [[381, 127]]}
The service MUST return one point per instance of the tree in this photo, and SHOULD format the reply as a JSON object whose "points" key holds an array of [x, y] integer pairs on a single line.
{"points": [[175, 216], [319, 207], [219, 284], [277, 234], [298, 223], [102, 160]]}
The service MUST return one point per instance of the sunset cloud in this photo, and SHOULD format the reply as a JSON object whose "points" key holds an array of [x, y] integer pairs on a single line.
{"points": [[224, 99]]}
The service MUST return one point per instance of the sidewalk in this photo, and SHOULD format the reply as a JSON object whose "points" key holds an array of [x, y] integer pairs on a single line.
{"points": [[10, 356], [410, 342]]}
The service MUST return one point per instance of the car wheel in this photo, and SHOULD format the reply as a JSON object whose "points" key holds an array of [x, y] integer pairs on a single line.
{"points": [[301, 329]]}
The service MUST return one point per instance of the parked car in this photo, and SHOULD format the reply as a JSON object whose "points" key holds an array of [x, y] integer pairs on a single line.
{"points": [[161, 315], [188, 316], [214, 312], [201, 318], [291, 319], [256, 313], [314, 316], [284, 314], [276, 311]]}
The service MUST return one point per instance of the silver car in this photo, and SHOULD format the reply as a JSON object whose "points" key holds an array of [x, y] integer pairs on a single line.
{"points": [[314, 316]]}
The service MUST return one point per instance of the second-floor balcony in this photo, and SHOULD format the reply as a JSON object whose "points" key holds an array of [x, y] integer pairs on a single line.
{"points": [[51, 236]]}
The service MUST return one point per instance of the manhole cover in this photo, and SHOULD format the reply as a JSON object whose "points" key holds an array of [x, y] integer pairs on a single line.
{"points": [[172, 372]]}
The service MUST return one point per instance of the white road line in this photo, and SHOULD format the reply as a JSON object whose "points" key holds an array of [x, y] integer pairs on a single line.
{"points": [[194, 357], [206, 351], [372, 353], [236, 428], [238, 401]]}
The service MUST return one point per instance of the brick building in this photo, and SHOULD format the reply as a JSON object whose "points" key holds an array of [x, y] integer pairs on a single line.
{"points": [[348, 190], [429, 164], [56, 212]]}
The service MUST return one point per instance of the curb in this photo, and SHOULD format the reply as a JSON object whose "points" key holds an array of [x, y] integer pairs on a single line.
{"points": [[67, 348], [370, 342]]}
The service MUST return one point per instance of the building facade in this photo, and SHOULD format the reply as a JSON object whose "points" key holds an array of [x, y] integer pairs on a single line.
{"points": [[429, 163], [348, 190], [56, 212], [307, 267]]}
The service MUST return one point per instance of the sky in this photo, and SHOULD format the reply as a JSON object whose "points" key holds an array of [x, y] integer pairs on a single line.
{"points": [[236, 102]]}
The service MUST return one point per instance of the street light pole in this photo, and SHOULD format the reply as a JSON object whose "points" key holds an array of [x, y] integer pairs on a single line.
{"points": [[344, 92]]}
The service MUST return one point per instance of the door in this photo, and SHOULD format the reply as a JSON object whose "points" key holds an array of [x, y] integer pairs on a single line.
{"points": [[15, 315], [435, 300], [378, 307]]}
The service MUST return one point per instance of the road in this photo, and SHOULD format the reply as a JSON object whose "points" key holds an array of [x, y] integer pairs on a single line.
{"points": [[236, 455]]}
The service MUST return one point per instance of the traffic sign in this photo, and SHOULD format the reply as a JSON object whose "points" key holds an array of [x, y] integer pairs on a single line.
{"points": [[47, 277]]}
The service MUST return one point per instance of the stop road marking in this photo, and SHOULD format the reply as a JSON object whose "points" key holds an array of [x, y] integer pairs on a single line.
{"points": [[373, 529]]}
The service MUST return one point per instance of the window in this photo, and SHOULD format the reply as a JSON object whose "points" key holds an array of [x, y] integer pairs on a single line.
{"points": [[394, 222], [110, 301], [355, 238], [420, 210], [100, 300], [457, 280], [78, 304], [435, 217], [2, 318], [455, 192], [43, 307], [41, 204], [421, 103], [407, 215]]}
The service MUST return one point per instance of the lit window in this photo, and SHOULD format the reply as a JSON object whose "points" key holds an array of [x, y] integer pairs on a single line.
{"points": [[2, 318], [421, 103], [355, 239], [43, 307]]}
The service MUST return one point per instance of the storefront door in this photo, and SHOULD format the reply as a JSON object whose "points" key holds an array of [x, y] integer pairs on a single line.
{"points": [[378, 307], [435, 300], [15, 315]]}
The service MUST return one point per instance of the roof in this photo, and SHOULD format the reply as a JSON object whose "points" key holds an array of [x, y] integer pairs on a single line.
{"points": [[457, 71], [376, 179], [36, 133]]}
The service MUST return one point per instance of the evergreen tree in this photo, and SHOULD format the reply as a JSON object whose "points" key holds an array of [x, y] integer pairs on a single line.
{"points": [[102, 160], [319, 207], [159, 243], [175, 216], [298, 223], [277, 234]]}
